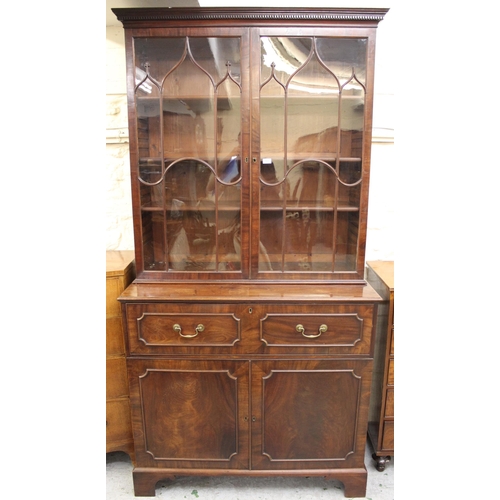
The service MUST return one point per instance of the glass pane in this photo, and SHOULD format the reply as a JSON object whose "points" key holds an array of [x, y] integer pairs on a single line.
{"points": [[271, 243], [188, 105], [312, 119], [149, 130], [188, 112], [309, 230], [213, 54], [343, 56], [309, 240], [346, 241], [352, 120], [286, 54], [158, 56], [153, 240], [190, 218]]}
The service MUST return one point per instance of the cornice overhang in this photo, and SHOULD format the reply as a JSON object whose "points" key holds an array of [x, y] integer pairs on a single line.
{"points": [[130, 16]]}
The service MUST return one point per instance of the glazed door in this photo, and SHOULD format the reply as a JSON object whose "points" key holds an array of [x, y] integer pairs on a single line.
{"points": [[309, 414], [311, 110], [187, 156], [190, 414]]}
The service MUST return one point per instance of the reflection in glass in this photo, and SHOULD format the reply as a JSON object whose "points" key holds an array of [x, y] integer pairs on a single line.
{"points": [[343, 56], [203, 230]]}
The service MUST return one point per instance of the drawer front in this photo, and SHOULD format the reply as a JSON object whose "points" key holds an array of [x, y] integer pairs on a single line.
{"points": [[115, 344], [116, 378], [343, 329], [389, 403], [118, 425], [390, 375], [114, 286], [182, 328], [388, 436]]}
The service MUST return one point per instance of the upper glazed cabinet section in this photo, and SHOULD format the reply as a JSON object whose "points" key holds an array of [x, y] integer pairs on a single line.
{"points": [[250, 136]]}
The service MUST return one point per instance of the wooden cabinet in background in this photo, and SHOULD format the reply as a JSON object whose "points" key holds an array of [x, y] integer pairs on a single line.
{"points": [[380, 274], [120, 272]]}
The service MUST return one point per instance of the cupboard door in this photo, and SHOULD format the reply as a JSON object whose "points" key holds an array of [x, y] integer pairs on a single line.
{"points": [[312, 110], [309, 414], [190, 413], [188, 174]]}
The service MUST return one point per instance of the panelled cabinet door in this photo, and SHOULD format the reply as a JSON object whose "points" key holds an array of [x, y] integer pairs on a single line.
{"points": [[305, 414], [190, 413]]}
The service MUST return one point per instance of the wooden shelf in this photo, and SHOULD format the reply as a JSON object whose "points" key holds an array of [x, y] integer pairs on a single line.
{"points": [[312, 208]]}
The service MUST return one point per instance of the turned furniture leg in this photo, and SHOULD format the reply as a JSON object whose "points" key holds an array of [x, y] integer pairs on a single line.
{"points": [[381, 461]]}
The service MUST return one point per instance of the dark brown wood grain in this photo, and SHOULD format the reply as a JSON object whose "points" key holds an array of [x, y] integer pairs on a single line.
{"points": [[307, 413]]}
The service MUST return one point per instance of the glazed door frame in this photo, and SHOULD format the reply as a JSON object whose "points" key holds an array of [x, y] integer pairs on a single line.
{"points": [[250, 57], [357, 273], [144, 275]]}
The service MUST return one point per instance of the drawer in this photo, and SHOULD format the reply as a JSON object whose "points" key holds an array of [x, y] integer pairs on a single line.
{"points": [[388, 435], [116, 378], [390, 376], [389, 403], [181, 328], [118, 426], [343, 329], [114, 287], [115, 344]]}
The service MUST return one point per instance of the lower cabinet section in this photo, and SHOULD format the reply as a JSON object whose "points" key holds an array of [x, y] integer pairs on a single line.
{"points": [[253, 415], [249, 380]]}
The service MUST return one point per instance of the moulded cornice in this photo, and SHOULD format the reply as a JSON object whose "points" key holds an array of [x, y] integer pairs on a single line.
{"points": [[130, 15]]}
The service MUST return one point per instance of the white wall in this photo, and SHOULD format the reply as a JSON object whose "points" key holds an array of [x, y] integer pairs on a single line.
{"points": [[119, 230], [380, 236]]}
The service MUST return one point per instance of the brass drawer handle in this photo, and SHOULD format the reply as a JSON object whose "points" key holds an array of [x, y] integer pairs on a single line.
{"points": [[301, 329], [178, 329]]}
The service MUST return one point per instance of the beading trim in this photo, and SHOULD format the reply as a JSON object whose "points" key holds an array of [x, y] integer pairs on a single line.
{"points": [[174, 14]]}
